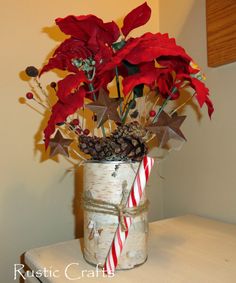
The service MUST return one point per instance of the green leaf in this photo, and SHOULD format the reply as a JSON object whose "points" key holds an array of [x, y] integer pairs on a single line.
{"points": [[119, 45]]}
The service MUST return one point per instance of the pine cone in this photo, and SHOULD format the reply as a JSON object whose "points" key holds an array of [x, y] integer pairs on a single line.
{"points": [[132, 129], [125, 143]]}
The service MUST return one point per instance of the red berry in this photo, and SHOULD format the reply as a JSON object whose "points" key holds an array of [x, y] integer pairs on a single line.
{"points": [[152, 113], [78, 131], [29, 95], [75, 122], [86, 132]]}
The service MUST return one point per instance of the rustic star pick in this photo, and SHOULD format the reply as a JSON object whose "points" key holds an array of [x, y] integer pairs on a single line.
{"points": [[167, 128], [105, 108], [59, 145]]}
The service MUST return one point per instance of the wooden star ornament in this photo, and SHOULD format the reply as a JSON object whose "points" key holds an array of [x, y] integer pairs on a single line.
{"points": [[167, 127], [59, 145], [105, 108]]}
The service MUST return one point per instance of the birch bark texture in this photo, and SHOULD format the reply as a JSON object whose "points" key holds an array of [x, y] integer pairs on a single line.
{"points": [[107, 181]]}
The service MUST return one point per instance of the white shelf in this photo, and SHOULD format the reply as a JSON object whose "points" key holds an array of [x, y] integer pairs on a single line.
{"points": [[186, 249]]}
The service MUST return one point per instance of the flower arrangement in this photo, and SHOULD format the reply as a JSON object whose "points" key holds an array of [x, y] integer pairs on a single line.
{"points": [[120, 85]]}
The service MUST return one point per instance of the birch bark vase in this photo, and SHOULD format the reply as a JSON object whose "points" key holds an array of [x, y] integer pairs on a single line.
{"points": [[106, 181]]}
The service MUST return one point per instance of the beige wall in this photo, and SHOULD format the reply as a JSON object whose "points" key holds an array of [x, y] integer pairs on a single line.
{"points": [[201, 177], [35, 204]]}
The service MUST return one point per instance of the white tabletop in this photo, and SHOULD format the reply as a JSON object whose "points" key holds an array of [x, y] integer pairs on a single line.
{"points": [[186, 249]]}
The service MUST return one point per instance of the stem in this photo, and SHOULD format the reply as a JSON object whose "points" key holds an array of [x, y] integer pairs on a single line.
{"points": [[91, 88], [80, 156], [109, 122], [42, 90], [155, 103], [40, 103], [123, 119], [117, 82], [118, 88], [126, 109], [32, 107], [163, 106], [71, 129], [177, 108], [127, 101]]}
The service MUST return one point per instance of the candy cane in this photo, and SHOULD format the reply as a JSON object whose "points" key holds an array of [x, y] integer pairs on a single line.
{"points": [[134, 198]]}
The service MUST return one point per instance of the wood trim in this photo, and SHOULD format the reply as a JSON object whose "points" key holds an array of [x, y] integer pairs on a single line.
{"points": [[221, 32]]}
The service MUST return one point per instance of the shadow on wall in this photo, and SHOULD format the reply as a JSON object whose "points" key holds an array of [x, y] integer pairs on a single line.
{"points": [[190, 29]]}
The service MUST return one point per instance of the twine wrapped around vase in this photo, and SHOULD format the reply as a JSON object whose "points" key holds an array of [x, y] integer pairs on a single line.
{"points": [[120, 210]]}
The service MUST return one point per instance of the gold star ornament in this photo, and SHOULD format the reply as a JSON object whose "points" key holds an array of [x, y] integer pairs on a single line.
{"points": [[59, 145], [167, 127]]}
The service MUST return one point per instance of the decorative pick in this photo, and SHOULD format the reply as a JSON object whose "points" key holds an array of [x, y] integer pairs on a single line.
{"points": [[59, 145], [167, 128], [105, 108]]}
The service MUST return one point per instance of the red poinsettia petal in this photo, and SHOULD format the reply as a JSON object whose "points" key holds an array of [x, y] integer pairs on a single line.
{"points": [[202, 92], [119, 56], [73, 46], [209, 106], [68, 84], [113, 29], [146, 48], [82, 27], [176, 63], [62, 58], [136, 18], [57, 62], [152, 46], [61, 110], [76, 26], [140, 78], [103, 55], [143, 77]]}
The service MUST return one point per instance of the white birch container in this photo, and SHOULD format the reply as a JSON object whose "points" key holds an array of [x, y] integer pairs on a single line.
{"points": [[107, 181]]}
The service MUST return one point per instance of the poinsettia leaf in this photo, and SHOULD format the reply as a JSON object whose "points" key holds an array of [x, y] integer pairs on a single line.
{"points": [[119, 45], [148, 75], [62, 58], [152, 46], [202, 95], [202, 92], [146, 48], [140, 78], [57, 62], [209, 106], [62, 109], [83, 27], [136, 18], [69, 83]]}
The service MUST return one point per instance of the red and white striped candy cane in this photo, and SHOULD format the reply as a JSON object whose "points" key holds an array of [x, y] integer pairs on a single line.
{"points": [[134, 198]]}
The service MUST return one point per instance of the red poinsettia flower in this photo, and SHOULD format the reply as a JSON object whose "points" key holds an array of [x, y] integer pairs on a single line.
{"points": [[146, 48], [151, 59], [62, 58], [90, 39]]}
